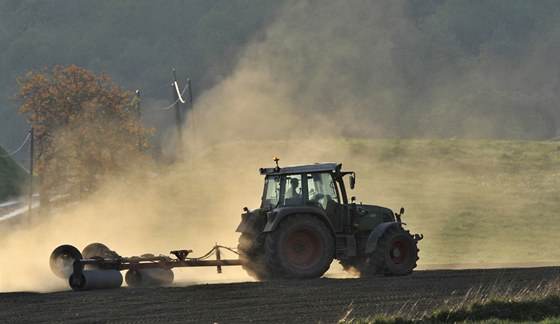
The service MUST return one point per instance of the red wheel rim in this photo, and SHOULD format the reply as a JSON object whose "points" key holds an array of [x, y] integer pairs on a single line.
{"points": [[399, 252], [303, 248]]}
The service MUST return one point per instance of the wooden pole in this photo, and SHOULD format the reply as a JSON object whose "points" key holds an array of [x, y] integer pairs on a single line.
{"points": [[178, 119], [191, 107], [137, 101], [31, 157]]}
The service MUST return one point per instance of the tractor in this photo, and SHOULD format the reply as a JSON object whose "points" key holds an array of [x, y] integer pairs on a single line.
{"points": [[306, 220]]}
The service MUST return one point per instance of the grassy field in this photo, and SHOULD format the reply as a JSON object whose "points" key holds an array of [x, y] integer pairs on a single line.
{"points": [[12, 176], [495, 310], [530, 306], [477, 203], [480, 202]]}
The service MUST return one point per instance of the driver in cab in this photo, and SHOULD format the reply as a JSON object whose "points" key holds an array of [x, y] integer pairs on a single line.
{"points": [[293, 191]]}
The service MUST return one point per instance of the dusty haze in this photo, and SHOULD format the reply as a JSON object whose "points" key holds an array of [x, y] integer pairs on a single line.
{"points": [[321, 70]]}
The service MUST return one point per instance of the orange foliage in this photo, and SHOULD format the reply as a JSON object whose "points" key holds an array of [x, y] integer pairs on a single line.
{"points": [[86, 127]]}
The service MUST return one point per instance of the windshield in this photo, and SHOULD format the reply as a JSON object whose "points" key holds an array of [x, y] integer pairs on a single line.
{"points": [[271, 194], [290, 190]]}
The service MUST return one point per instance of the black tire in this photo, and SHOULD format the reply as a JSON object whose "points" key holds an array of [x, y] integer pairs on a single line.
{"points": [[395, 255], [251, 257], [62, 260], [301, 247]]}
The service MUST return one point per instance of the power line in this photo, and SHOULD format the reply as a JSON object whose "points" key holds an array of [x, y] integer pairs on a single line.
{"points": [[168, 107], [178, 94], [19, 148]]}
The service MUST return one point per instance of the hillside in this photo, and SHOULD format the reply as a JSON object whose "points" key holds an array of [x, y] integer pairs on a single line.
{"points": [[12, 176], [477, 203], [484, 202], [384, 69]]}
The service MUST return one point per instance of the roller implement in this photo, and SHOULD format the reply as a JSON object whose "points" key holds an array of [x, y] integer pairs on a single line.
{"points": [[305, 221], [97, 267]]}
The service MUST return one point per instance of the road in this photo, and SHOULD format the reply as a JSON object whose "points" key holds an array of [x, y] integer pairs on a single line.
{"points": [[12, 209], [325, 300]]}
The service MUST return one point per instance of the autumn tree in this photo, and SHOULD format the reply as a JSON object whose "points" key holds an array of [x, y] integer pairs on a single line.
{"points": [[86, 128]]}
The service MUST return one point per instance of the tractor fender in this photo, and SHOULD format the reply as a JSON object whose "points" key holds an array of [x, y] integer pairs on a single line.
{"points": [[277, 215], [252, 222], [246, 225], [376, 234]]}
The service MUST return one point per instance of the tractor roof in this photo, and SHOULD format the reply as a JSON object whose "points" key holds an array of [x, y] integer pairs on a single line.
{"points": [[309, 168]]}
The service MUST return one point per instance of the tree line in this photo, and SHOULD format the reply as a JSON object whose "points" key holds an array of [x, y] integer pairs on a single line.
{"points": [[454, 60]]}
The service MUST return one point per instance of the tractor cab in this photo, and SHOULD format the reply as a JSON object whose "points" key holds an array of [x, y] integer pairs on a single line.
{"points": [[314, 189]]}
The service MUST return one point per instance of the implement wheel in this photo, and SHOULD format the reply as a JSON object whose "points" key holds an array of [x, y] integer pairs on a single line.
{"points": [[302, 247], [98, 250], [62, 260]]}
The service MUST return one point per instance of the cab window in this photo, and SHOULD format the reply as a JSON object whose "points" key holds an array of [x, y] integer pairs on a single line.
{"points": [[321, 188], [293, 190]]}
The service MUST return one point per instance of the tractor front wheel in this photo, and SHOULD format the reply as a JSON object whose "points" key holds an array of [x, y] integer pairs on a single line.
{"points": [[396, 253], [301, 247]]}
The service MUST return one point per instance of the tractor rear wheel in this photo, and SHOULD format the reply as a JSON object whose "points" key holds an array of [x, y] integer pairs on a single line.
{"points": [[301, 247], [252, 257], [396, 253]]}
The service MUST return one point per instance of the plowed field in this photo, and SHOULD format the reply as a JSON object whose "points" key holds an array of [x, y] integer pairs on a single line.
{"points": [[321, 300]]}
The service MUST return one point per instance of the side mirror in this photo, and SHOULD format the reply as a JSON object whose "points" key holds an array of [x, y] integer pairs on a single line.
{"points": [[352, 182], [402, 211]]}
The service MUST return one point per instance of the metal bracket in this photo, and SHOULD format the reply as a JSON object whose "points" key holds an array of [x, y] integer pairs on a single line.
{"points": [[181, 254]]}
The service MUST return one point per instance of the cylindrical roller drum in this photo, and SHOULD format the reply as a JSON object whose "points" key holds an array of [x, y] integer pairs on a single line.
{"points": [[97, 279], [149, 277], [62, 260]]}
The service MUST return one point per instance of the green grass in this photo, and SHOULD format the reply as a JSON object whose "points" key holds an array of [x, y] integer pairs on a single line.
{"points": [[12, 177], [481, 202], [530, 305], [496, 310]]}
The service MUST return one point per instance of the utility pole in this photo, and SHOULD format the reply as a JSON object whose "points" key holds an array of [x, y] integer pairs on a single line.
{"points": [[137, 102], [178, 118], [31, 157], [191, 107]]}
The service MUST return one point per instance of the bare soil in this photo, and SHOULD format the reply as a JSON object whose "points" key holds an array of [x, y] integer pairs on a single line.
{"points": [[322, 300]]}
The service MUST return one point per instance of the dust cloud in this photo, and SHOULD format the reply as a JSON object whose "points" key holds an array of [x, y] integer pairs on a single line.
{"points": [[323, 70], [319, 68], [327, 68]]}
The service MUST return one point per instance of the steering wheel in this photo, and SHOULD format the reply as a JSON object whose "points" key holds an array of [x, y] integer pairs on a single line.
{"points": [[315, 200]]}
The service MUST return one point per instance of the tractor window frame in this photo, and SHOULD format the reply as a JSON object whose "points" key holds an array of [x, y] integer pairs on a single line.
{"points": [[272, 195]]}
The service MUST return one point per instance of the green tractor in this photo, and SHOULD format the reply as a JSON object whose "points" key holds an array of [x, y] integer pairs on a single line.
{"points": [[306, 220]]}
